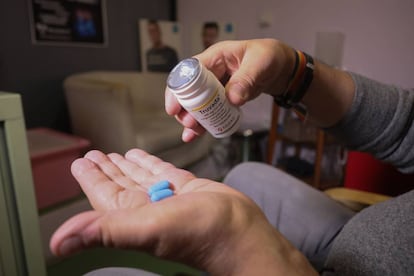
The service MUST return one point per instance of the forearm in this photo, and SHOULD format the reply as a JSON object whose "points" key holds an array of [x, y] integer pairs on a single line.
{"points": [[363, 114], [329, 96], [380, 121]]}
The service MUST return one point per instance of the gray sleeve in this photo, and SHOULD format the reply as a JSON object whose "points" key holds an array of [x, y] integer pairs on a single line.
{"points": [[380, 122], [376, 241]]}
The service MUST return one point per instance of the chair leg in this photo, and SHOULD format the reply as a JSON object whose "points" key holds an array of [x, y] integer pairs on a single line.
{"points": [[272, 134], [320, 142]]}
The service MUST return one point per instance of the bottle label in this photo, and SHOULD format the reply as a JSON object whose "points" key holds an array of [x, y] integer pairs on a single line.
{"points": [[217, 115]]}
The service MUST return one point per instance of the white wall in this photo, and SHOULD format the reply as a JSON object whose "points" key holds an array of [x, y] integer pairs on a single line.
{"points": [[379, 34]]}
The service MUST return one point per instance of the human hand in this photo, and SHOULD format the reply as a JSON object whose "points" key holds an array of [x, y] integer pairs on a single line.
{"points": [[206, 224], [251, 67]]}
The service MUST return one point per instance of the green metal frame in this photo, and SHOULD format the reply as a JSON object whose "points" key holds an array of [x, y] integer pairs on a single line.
{"points": [[20, 245]]}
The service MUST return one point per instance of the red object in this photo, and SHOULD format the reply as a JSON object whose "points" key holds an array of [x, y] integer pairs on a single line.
{"points": [[364, 172], [51, 155]]}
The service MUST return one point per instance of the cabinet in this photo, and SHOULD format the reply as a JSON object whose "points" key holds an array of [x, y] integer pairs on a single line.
{"points": [[51, 154], [20, 247]]}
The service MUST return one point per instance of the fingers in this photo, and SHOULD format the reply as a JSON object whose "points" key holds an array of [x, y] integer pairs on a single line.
{"points": [[185, 118], [133, 176], [113, 181], [115, 169], [189, 122], [220, 57], [148, 162], [172, 106], [243, 84], [105, 184], [161, 170], [192, 129], [255, 66], [99, 188], [190, 135], [229, 58]]}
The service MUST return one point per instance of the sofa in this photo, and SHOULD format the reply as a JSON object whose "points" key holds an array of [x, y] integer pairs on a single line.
{"points": [[118, 111]]}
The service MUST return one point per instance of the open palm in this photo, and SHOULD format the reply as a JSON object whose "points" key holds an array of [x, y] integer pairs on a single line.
{"points": [[200, 217]]}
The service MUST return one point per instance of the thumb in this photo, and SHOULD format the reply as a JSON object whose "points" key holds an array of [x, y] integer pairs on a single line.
{"points": [[238, 89], [77, 233], [243, 84], [108, 229]]}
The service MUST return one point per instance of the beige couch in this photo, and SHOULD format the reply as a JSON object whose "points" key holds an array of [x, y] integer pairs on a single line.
{"points": [[118, 111]]}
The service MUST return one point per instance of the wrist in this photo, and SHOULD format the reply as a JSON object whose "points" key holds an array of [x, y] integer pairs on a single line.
{"points": [[299, 83], [255, 247], [287, 72], [269, 253], [337, 90]]}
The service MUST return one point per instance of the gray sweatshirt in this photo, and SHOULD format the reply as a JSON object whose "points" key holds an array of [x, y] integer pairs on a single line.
{"points": [[380, 239], [380, 122]]}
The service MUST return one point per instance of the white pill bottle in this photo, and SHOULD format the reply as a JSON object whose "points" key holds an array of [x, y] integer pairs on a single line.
{"points": [[202, 95]]}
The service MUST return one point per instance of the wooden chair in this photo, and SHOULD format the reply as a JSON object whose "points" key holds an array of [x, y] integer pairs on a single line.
{"points": [[352, 198], [319, 143]]}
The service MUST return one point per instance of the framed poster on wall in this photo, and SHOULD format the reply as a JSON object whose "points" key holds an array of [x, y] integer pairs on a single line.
{"points": [[206, 33], [68, 22], [160, 45]]}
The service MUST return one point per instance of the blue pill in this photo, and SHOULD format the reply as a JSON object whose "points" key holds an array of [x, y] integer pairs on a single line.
{"points": [[163, 184], [161, 194]]}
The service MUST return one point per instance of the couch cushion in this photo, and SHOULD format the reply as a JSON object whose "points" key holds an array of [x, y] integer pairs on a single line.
{"points": [[130, 106], [160, 134]]}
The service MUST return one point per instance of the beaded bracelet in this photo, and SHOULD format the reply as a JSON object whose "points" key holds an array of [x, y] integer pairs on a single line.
{"points": [[299, 83]]}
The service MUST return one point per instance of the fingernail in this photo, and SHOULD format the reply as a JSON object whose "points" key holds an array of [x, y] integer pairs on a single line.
{"points": [[82, 165], [167, 106], [186, 135], [70, 245]]}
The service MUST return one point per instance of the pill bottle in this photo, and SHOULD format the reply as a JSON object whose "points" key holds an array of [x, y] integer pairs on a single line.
{"points": [[202, 95]]}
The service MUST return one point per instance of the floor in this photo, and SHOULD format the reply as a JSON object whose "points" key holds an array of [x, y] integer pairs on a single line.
{"points": [[226, 154], [216, 165], [103, 257]]}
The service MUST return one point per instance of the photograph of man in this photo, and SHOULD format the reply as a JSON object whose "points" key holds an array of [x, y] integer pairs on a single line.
{"points": [[160, 57], [210, 34]]}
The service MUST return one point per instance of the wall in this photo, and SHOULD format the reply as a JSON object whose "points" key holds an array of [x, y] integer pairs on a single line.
{"points": [[379, 38], [37, 72]]}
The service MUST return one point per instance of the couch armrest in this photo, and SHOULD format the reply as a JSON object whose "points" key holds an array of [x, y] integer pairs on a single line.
{"points": [[355, 199], [101, 111]]}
